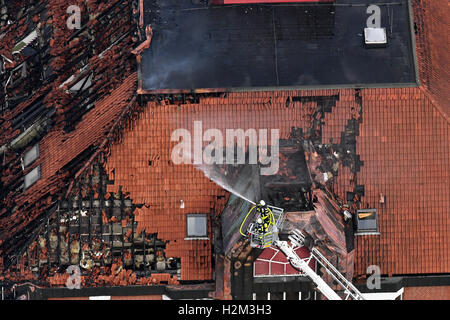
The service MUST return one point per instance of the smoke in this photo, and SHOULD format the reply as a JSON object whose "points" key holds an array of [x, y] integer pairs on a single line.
{"points": [[174, 60], [243, 191]]}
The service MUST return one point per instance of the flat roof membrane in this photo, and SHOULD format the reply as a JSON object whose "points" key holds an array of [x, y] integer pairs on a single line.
{"points": [[244, 47]]}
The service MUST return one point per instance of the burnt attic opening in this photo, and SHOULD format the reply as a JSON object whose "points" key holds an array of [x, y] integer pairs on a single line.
{"points": [[287, 186], [290, 188], [94, 229], [95, 237]]}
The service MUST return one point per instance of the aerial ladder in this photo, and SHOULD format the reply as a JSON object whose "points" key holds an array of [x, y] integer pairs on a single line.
{"points": [[298, 239], [265, 235]]}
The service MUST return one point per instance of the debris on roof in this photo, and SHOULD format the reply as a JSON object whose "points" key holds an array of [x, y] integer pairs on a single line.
{"points": [[109, 197], [35, 109]]}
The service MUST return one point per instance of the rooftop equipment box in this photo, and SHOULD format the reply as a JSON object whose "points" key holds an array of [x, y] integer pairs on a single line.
{"points": [[375, 37]]}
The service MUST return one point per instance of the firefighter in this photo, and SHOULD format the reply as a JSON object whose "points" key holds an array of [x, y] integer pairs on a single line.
{"points": [[260, 226], [266, 217]]}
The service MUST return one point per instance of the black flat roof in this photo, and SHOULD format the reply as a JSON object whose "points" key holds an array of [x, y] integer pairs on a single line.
{"points": [[197, 47]]}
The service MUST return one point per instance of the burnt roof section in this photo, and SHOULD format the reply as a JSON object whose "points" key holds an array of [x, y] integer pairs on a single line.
{"points": [[261, 46]]}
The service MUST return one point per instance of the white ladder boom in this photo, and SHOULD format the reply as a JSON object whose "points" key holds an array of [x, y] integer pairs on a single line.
{"points": [[297, 238]]}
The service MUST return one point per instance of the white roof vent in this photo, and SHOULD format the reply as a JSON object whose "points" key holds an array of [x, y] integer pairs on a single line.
{"points": [[375, 37]]}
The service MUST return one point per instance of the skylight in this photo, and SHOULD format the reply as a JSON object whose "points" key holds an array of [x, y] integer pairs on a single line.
{"points": [[367, 221], [197, 226], [33, 176], [31, 155]]}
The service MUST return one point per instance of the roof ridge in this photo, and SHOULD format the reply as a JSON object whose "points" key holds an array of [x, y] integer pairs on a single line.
{"points": [[434, 103], [109, 137]]}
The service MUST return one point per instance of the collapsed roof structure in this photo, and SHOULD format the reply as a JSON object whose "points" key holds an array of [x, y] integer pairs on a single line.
{"points": [[87, 177]]}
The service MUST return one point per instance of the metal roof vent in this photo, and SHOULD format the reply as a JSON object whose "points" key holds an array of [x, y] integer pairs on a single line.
{"points": [[375, 37]]}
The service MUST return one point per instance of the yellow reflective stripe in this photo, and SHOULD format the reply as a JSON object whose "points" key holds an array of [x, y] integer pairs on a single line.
{"points": [[272, 217]]}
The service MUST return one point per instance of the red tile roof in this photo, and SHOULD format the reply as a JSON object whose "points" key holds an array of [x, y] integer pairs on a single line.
{"points": [[334, 122], [344, 182], [431, 22], [427, 293], [404, 144], [59, 148], [161, 186]]}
